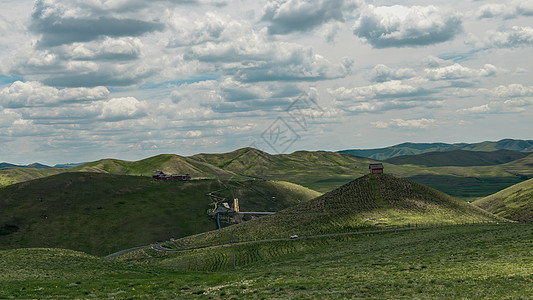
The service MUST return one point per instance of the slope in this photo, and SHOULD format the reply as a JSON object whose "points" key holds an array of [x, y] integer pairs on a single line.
{"points": [[458, 158], [455, 262], [419, 148], [101, 213], [320, 171], [514, 203], [369, 202]]}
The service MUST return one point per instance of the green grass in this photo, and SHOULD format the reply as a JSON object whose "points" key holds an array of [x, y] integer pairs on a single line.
{"points": [[367, 203], [453, 262], [320, 171], [102, 213], [514, 203]]}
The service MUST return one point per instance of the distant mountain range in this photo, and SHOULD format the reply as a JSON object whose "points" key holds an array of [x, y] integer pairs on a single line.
{"points": [[5, 165], [420, 148]]}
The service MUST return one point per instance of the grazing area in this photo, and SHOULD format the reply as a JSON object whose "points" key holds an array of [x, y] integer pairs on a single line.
{"points": [[101, 213], [514, 203], [370, 202], [455, 262]]}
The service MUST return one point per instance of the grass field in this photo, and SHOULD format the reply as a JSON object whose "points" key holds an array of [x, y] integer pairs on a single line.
{"points": [[368, 203], [102, 213], [514, 203], [452, 262]]}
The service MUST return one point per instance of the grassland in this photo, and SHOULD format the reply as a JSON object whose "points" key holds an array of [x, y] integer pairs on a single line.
{"points": [[367, 203], [514, 203], [101, 213], [320, 171], [453, 262]]}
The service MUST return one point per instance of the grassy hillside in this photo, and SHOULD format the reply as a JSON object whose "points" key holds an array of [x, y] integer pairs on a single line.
{"points": [[514, 203], [102, 213], [456, 262], [320, 171], [369, 202], [459, 158], [419, 148]]}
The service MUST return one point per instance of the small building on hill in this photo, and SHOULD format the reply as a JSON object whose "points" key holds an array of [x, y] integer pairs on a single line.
{"points": [[376, 168]]}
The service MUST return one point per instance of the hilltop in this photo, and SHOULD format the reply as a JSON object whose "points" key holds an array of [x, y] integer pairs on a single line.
{"points": [[369, 202], [320, 171], [514, 203], [419, 148], [101, 213]]}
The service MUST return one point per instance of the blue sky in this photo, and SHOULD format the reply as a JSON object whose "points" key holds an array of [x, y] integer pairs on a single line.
{"points": [[128, 79]]}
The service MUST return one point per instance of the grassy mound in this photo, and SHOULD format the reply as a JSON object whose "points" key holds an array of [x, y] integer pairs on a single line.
{"points": [[514, 203], [102, 213], [369, 202]]}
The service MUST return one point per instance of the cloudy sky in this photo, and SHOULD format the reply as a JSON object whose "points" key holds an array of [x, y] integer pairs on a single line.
{"points": [[82, 80]]}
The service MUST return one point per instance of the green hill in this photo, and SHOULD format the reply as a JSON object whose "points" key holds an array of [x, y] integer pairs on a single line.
{"points": [[419, 148], [458, 158], [101, 213], [455, 262], [514, 203], [369, 202]]}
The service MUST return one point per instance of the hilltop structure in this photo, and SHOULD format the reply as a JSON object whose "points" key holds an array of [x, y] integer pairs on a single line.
{"points": [[376, 168]]}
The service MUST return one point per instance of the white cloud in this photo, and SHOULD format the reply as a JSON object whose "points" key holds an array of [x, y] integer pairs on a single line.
{"points": [[512, 90], [289, 16], [32, 93], [516, 37], [389, 89], [401, 123], [499, 107], [457, 71], [382, 73], [509, 10], [117, 109], [402, 26]]}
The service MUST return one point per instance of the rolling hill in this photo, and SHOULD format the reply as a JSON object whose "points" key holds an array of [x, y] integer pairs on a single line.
{"points": [[419, 148], [369, 202], [458, 158], [514, 203], [101, 213], [320, 171]]}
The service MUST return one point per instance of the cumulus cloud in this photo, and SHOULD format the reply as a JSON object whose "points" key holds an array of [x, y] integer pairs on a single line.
{"points": [[401, 123], [512, 91], [251, 56], [515, 37], [32, 93], [382, 73], [401, 26], [389, 89], [507, 11], [287, 16], [497, 107], [117, 109], [61, 24], [457, 71], [230, 96]]}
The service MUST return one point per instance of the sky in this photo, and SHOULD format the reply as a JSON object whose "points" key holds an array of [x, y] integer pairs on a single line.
{"points": [[82, 80]]}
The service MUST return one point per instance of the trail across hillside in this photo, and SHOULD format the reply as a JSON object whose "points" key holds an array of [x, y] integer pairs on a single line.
{"points": [[159, 247]]}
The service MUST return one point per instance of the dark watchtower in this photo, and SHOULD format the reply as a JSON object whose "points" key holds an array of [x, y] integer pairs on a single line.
{"points": [[376, 168]]}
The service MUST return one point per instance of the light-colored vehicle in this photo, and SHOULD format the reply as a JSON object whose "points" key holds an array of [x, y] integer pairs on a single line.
{"points": [[295, 236]]}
